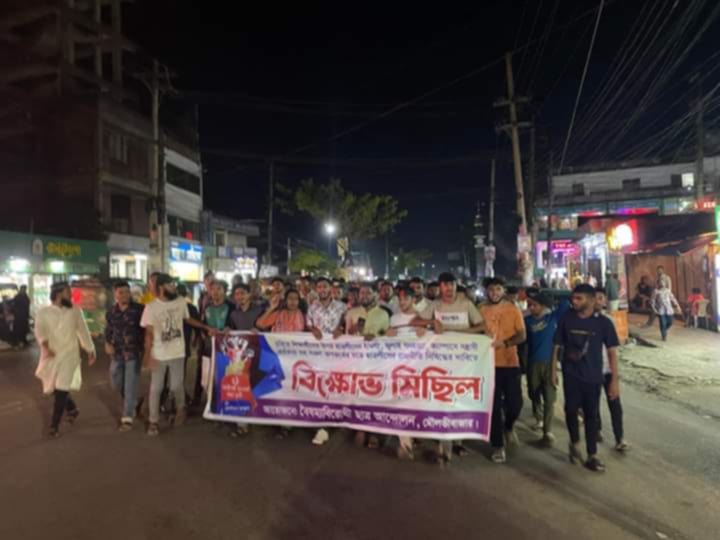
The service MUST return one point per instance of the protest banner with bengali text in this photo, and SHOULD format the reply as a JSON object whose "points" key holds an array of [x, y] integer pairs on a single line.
{"points": [[437, 386]]}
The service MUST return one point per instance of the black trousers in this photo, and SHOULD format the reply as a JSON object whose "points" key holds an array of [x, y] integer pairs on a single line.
{"points": [[585, 396], [616, 412], [63, 403], [507, 403]]}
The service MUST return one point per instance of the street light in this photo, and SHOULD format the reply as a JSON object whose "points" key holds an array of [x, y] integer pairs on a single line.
{"points": [[330, 230]]}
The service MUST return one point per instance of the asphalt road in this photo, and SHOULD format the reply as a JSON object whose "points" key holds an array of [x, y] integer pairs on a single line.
{"points": [[195, 482]]}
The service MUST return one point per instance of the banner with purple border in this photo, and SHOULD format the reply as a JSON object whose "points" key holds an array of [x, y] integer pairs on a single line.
{"points": [[437, 386]]}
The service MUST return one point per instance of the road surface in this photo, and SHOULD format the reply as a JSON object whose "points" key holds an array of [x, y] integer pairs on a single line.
{"points": [[195, 482]]}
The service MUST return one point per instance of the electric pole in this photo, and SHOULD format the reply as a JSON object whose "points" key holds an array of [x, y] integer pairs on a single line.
{"points": [[700, 143], [271, 196], [524, 257], [491, 220], [551, 204]]}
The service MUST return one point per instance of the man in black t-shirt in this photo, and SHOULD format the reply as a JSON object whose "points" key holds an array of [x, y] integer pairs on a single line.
{"points": [[581, 334]]}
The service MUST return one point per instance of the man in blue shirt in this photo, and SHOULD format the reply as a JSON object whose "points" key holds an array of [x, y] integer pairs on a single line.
{"points": [[541, 324], [581, 334]]}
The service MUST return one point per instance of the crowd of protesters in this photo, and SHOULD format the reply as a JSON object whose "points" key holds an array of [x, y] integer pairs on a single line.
{"points": [[532, 338]]}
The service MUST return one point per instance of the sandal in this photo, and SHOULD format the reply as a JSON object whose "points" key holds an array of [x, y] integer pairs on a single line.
{"points": [[54, 433], [153, 430], [240, 431], [282, 433], [373, 442], [461, 450], [595, 465]]}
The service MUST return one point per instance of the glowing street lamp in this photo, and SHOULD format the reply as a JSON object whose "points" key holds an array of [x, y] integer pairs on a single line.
{"points": [[330, 228]]}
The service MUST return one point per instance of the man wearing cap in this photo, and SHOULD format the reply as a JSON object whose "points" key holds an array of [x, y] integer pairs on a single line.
{"points": [[163, 320], [504, 322], [581, 335], [541, 324], [60, 331], [457, 314]]}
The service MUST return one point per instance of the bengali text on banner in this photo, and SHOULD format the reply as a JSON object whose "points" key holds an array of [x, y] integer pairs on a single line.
{"points": [[437, 386]]}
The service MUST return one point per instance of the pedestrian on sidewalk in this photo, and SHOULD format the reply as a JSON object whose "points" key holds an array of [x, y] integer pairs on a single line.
{"points": [[60, 331], [581, 334], [21, 311], [164, 347], [541, 324], [614, 405], [612, 286], [664, 304], [504, 323], [124, 341]]}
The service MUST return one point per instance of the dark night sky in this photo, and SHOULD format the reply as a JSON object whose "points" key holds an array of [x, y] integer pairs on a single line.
{"points": [[270, 80]]}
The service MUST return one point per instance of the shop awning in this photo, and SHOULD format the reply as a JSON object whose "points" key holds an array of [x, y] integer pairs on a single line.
{"points": [[679, 247]]}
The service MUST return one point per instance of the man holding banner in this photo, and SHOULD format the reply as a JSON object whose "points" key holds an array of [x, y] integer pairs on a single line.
{"points": [[457, 314]]}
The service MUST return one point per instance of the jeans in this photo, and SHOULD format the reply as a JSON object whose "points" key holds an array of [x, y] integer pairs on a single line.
{"points": [[176, 368], [579, 394], [542, 393], [63, 403], [125, 378], [616, 412], [507, 403], [665, 324]]}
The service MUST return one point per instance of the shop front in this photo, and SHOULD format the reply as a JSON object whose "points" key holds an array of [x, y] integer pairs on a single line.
{"points": [[128, 257], [234, 261], [38, 261], [186, 260], [563, 261]]}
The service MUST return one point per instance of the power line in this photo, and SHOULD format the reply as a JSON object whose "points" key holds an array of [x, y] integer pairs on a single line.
{"points": [[582, 82]]}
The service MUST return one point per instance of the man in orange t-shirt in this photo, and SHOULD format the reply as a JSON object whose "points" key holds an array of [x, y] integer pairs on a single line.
{"points": [[504, 323]]}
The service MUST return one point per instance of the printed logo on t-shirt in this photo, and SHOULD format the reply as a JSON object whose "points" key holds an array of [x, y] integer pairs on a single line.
{"points": [[170, 330], [457, 318]]}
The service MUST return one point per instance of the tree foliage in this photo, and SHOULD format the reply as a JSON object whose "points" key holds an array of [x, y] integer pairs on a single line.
{"points": [[409, 262], [314, 262], [358, 217]]}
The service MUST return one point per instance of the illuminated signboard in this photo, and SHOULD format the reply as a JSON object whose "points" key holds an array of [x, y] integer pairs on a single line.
{"points": [[622, 236], [186, 252], [717, 220]]}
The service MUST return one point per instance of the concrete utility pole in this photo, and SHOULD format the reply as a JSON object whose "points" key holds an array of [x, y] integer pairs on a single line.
{"points": [[515, 137], [491, 219], [157, 218], [271, 196], [700, 143], [530, 193], [551, 204]]}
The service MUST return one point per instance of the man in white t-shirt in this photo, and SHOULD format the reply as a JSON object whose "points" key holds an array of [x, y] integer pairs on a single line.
{"points": [[453, 313], [418, 287], [401, 322], [163, 321]]}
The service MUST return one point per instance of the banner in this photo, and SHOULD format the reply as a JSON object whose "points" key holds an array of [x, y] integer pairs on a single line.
{"points": [[438, 386]]}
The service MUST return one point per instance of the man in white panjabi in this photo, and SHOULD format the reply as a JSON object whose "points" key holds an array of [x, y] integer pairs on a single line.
{"points": [[60, 331]]}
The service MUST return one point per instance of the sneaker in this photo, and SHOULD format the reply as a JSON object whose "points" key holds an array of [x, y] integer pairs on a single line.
{"points": [[548, 439], [594, 464], [180, 417], [72, 416], [622, 446], [153, 430], [538, 425], [511, 438], [321, 437], [126, 424], [54, 433], [498, 456]]}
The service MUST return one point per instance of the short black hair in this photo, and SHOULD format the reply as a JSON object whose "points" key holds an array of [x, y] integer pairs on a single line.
{"points": [[433, 284], [447, 277], [276, 279], [584, 288], [220, 282], [407, 291], [182, 289], [353, 289], [600, 290], [242, 286], [696, 290], [120, 284], [417, 279], [291, 291], [512, 289], [323, 278], [208, 274], [489, 282]]}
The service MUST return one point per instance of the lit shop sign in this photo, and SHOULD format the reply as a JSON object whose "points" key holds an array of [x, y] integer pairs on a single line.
{"points": [[717, 222], [622, 236], [186, 252], [563, 246], [705, 204]]}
